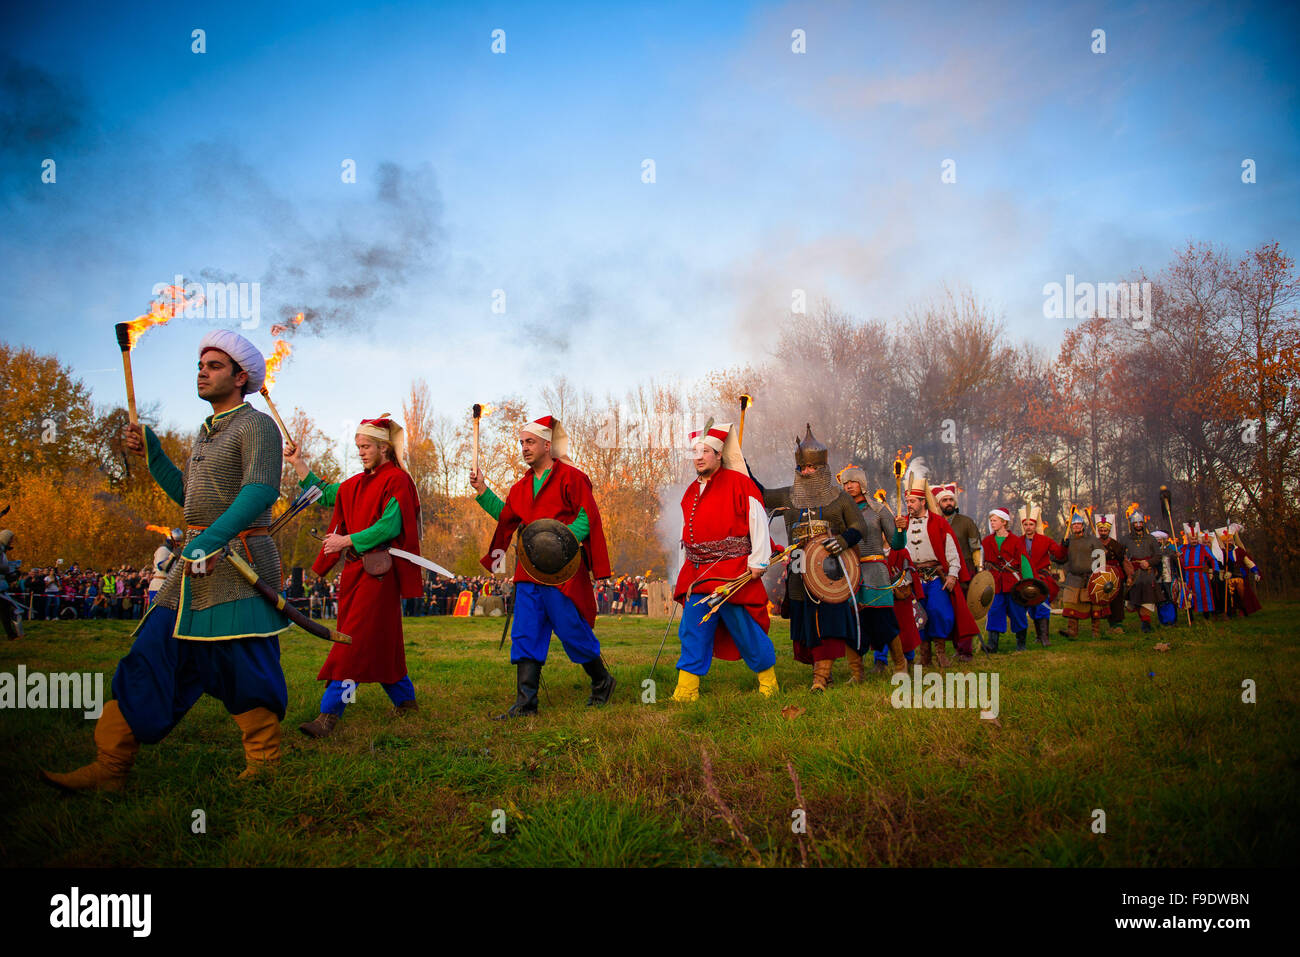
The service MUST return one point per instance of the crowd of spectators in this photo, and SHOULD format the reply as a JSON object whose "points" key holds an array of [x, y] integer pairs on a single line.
{"points": [[58, 593]]}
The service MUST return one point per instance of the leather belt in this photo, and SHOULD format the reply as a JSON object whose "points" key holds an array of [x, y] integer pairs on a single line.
{"points": [[243, 536]]}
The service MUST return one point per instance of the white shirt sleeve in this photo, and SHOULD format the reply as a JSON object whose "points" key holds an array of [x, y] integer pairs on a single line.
{"points": [[760, 543], [954, 557]]}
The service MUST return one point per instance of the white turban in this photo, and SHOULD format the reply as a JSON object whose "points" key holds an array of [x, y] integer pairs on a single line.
{"points": [[242, 351]]}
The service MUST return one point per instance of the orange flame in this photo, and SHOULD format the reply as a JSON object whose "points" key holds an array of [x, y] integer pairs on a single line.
{"points": [[159, 529], [880, 495], [276, 359], [280, 328], [169, 304], [901, 458], [1133, 507], [485, 410]]}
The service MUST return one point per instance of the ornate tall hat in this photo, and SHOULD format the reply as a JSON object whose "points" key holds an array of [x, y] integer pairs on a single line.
{"points": [[1033, 512]]}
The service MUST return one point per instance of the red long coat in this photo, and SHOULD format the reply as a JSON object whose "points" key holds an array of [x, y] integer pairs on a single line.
{"points": [[898, 559], [721, 511], [1012, 550], [566, 490], [370, 609], [1041, 552]]}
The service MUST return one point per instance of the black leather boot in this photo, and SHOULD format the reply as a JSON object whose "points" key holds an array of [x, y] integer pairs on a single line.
{"points": [[528, 678], [1020, 641], [1041, 628], [602, 682], [991, 643]]}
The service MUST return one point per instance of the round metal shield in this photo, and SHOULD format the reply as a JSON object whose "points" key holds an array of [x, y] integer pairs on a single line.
{"points": [[979, 594], [832, 578], [1103, 586], [1030, 592], [548, 551]]}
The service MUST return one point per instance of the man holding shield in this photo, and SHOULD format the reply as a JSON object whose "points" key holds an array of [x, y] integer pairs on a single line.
{"points": [[934, 551], [208, 630], [1004, 555], [561, 547], [1082, 550], [377, 508], [823, 575], [1041, 551], [724, 533]]}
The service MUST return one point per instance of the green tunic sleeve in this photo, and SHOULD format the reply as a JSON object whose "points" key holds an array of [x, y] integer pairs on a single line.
{"points": [[330, 490], [387, 528], [490, 503], [581, 525], [164, 472]]}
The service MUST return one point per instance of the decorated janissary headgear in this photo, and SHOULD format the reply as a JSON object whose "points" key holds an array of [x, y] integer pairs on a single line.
{"points": [[548, 427], [386, 430], [1106, 521], [810, 451], [1031, 513], [918, 487], [940, 491], [722, 438], [852, 473], [241, 351], [1001, 513]]}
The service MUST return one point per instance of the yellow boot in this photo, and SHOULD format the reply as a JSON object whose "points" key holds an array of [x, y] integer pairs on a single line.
{"points": [[261, 741], [117, 749], [855, 667], [688, 687], [767, 685], [896, 652]]}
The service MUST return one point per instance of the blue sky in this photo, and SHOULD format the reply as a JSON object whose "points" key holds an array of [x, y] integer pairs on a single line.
{"points": [[522, 172]]}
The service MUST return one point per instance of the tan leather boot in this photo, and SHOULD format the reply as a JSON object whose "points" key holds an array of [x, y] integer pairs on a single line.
{"points": [[822, 675], [855, 667], [117, 750], [925, 653], [896, 653], [940, 658]]}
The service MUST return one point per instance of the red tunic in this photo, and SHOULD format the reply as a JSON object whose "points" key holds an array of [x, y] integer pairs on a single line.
{"points": [[898, 560], [721, 511], [370, 609], [1041, 552], [1012, 550], [565, 491]]}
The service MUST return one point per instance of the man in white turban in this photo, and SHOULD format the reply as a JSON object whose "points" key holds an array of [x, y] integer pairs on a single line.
{"points": [[246, 357]]}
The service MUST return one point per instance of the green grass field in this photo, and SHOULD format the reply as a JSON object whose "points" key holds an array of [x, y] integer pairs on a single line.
{"points": [[1186, 773]]}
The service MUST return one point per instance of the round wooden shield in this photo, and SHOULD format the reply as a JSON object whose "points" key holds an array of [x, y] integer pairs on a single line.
{"points": [[832, 578], [1103, 586], [920, 616], [979, 594], [548, 551], [1029, 592]]}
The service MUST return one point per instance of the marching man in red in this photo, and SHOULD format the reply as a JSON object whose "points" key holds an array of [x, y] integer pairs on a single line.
{"points": [[1004, 556], [1041, 551], [373, 510], [724, 533], [553, 585]]}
